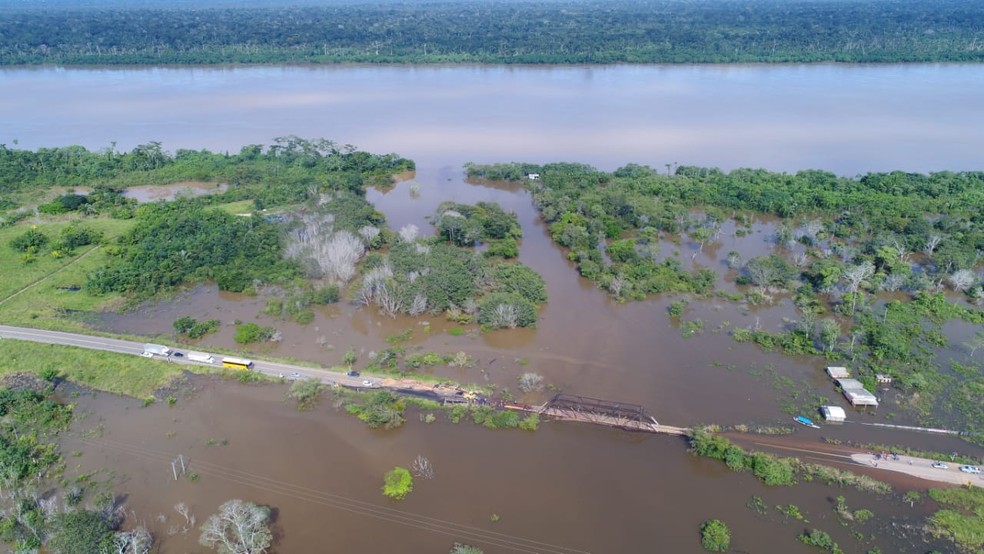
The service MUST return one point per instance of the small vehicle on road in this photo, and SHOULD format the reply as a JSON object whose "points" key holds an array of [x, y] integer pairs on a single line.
{"points": [[178, 355], [352, 373], [368, 383], [970, 469], [940, 465], [147, 354]]}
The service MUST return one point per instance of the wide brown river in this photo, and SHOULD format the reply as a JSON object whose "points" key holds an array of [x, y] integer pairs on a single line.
{"points": [[567, 488]]}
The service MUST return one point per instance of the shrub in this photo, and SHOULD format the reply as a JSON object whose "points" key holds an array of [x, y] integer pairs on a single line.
{"points": [[772, 470], [32, 239], [715, 536], [202, 328], [251, 332], [506, 248], [183, 324], [500, 310], [76, 235], [520, 279], [530, 382], [676, 308], [306, 392], [397, 483]]}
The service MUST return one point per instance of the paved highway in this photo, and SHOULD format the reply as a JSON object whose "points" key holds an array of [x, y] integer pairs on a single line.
{"points": [[275, 369]]}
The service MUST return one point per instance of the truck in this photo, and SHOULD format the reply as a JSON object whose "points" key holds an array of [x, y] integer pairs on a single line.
{"points": [[158, 349], [201, 357]]}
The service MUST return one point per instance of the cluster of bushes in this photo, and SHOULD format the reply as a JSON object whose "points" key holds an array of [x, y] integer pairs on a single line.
{"points": [[771, 469], [34, 512], [65, 203], [503, 419], [297, 306], [379, 408], [961, 517], [247, 333], [431, 276], [34, 242], [182, 241], [194, 329], [467, 225]]}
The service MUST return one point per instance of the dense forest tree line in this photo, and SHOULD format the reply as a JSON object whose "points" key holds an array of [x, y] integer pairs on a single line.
{"points": [[288, 161], [284, 172], [634, 31]]}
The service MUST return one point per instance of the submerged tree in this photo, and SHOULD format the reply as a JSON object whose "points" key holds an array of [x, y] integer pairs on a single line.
{"points": [[239, 528]]}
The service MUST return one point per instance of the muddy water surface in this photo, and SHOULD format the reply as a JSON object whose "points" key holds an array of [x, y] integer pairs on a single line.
{"points": [[579, 488], [565, 488]]}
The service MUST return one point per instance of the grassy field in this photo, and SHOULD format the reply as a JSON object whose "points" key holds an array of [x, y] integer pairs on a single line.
{"points": [[44, 304], [106, 371]]}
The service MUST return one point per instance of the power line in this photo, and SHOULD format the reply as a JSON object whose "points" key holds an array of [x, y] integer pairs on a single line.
{"points": [[392, 515]]}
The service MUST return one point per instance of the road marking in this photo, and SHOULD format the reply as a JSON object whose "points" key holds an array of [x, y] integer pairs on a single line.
{"points": [[803, 450]]}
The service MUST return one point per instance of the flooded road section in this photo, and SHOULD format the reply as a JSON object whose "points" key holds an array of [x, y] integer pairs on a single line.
{"points": [[585, 343], [564, 488]]}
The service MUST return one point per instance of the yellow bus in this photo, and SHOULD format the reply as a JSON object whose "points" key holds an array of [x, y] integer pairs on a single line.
{"points": [[237, 363]]}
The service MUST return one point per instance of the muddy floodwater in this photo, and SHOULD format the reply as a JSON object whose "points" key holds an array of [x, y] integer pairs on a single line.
{"points": [[565, 488]]}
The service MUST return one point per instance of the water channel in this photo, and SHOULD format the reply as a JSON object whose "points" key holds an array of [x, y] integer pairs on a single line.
{"points": [[582, 489]]}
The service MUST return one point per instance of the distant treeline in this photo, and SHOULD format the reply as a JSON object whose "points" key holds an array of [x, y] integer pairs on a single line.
{"points": [[661, 31]]}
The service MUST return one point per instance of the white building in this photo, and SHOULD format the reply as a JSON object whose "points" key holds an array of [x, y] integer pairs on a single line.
{"points": [[834, 414], [837, 372], [856, 394]]}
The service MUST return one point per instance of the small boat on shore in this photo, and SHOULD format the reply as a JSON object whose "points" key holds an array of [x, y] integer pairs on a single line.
{"points": [[805, 421]]}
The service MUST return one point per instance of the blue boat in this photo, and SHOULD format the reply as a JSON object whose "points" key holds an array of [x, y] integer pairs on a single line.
{"points": [[805, 421]]}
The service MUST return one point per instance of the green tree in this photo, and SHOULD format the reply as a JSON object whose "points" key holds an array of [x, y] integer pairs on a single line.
{"points": [[397, 483], [80, 532], [184, 324], [715, 536]]}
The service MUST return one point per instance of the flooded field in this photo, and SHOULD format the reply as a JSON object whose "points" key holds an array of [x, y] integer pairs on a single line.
{"points": [[565, 488]]}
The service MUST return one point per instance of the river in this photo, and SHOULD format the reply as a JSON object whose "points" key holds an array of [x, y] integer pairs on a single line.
{"points": [[582, 489], [843, 118]]}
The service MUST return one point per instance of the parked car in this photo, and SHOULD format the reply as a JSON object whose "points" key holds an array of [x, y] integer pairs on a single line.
{"points": [[352, 373], [940, 465], [970, 469]]}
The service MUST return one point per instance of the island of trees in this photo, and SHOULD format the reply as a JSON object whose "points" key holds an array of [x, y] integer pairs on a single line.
{"points": [[875, 265], [629, 31]]}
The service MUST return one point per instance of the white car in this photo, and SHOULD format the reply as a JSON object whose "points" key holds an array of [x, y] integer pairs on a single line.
{"points": [[940, 465], [970, 469], [147, 354], [368, 383]]}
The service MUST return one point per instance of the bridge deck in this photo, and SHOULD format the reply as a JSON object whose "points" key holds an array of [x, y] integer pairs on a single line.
{"points": [[598, 419]]}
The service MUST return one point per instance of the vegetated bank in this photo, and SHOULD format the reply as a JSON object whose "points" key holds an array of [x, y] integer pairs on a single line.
{"points": [[302, 234], [706, 31], [867, 261]]}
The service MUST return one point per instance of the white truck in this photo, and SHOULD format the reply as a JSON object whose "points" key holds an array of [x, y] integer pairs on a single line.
{"points": [[156, 349], [201, 357]]}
